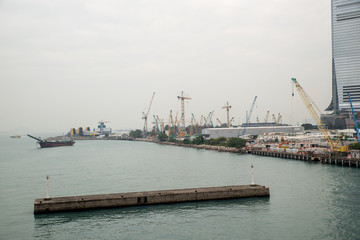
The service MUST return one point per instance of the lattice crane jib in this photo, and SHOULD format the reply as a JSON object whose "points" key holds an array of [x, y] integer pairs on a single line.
{"points": [[314, 114], [145, 115]]}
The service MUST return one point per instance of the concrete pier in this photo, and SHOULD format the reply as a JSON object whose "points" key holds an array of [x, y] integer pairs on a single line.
{"points": [[77, 203], [322, 158]]}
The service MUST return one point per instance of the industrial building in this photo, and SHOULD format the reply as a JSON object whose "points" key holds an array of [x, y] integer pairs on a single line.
{"points": [[238, 132], [345, 26]]}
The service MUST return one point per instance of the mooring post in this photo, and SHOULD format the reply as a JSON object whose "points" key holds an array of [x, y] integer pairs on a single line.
{"points": [[47, 187], [252, 176]]}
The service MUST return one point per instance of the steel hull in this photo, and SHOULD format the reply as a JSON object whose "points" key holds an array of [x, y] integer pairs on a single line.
{"points": [[56, 144]]}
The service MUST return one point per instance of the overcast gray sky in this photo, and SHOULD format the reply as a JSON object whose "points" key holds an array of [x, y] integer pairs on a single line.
{"points": [[67, 64]]}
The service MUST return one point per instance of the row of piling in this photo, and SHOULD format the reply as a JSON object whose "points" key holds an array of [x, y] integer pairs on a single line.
{"points": [[322, 158], [302, 156]]}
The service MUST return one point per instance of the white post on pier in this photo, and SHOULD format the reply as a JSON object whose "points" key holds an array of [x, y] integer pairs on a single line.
{"points": [[252, 176], [47, 186]]}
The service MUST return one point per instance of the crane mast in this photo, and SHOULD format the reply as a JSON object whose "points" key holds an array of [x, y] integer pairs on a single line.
{"points": [[227, 107], [156, 127], [182, 98], [313, 113], [196, 123], [267, 116], [278, 119], [171, 123]]}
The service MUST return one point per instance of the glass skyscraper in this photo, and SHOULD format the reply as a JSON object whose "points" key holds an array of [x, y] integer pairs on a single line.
{"points": [[345, 20]]}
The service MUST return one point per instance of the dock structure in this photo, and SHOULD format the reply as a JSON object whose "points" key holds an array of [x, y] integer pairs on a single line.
{"points": [[77, 203], [322, 158]]}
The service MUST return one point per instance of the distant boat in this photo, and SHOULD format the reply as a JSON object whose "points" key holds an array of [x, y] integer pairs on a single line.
{"points": [[57, 143], [15, 136]]}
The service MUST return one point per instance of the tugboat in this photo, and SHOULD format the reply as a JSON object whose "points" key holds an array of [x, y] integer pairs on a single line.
{"points": [[46, 144]]}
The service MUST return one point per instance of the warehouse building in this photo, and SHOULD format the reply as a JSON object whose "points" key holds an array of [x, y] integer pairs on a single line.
{"points": [[239, 131]]}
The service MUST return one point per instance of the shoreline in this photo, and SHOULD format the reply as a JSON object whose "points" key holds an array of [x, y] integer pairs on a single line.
{"points": [[202, 146], [302, 156]]}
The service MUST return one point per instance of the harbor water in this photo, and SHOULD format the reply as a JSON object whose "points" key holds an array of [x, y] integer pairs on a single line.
{"points": [[308, 200]]}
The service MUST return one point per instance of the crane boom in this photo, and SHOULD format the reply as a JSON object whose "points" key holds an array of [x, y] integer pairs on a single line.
{"points": [[313, 114], [196, 123], [249, 115], [209, 121], [353, 113], [145, 116], [35, 138]]}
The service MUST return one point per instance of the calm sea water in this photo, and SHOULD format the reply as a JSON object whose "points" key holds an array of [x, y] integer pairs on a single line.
{"points": [[308, 201]]}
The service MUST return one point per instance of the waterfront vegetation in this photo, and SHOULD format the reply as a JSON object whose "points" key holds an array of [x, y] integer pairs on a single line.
{"points": [[136, 134], [354, 146], [200, 140]]}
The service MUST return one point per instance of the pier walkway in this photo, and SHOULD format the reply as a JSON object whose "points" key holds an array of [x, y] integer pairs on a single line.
{"points": [[77, 203]]}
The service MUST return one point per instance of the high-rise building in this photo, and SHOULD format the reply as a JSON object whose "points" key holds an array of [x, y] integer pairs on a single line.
{"points": [[345, 21]]}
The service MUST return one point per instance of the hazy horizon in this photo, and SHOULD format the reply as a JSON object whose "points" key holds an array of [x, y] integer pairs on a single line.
{"points": [[71, 64]]}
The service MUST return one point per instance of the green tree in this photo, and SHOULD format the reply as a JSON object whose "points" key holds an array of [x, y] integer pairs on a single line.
{"points": [[354, 146], [236, 143], [198, 140], [136, 134], [307, 126], [163, 137], [221, 141]]}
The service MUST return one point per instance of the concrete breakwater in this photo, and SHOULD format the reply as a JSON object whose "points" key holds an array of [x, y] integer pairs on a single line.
{"points": [[77, 203], [202, 146]]}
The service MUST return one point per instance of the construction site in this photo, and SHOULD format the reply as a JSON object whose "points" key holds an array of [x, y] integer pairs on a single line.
{"points": [[179, 127], [262, 137], [269, 136]]}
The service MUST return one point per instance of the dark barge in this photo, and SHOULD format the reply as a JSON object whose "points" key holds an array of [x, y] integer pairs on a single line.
{"points": [[57, 143]]}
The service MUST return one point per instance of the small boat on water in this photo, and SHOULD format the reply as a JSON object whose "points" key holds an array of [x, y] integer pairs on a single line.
{"points": [[56, 143], [15, 136]]}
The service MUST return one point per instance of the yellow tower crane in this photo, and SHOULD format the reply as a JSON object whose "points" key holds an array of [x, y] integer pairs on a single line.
{"points": [[182, 98], [227, 107], [316, 118]]}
